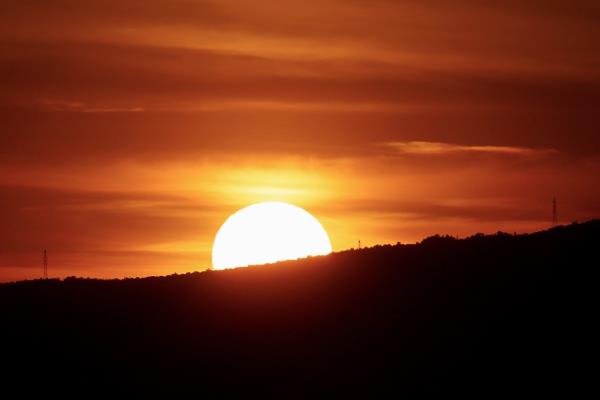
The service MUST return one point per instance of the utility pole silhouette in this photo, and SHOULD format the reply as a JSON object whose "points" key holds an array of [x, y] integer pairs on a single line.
{"points": [[554, 213], [359, 244], [45, 265]]}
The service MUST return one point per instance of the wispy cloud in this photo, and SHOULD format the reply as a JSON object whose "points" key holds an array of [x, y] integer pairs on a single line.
{"points": [[439, 148], [77, 106]]}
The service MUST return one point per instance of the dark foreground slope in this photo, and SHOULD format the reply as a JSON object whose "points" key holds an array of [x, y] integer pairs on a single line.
{"points": [[485, 314]]}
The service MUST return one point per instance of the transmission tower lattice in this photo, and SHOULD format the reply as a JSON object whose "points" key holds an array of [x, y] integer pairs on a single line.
{"points": [[45, 265]]}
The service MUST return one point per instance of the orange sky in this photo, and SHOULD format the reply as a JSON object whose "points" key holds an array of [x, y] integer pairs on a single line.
{"points": [[131, 130]]}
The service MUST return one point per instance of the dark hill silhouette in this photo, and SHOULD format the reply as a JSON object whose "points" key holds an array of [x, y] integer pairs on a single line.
{"points": [[484, 314]]}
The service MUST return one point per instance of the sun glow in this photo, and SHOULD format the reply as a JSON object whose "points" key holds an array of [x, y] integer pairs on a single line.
{"points": [[268, 232]]}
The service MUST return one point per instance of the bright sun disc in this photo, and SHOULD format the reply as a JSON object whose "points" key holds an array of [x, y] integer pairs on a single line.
{"points": [[268, 232]]}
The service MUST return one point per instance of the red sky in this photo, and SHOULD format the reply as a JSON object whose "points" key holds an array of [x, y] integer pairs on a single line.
{"points": [[132, 129]]}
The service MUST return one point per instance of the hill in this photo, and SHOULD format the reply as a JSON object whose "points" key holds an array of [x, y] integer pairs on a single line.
{"points": [[510, 313]]}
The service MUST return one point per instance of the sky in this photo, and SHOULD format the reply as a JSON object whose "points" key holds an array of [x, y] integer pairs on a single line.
{"points": [[130, 130]]}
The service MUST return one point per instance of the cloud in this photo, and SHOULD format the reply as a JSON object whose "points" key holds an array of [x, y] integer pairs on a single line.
{"points": [[72, 220], [77, 106], [440, 149], [332, 104], [466, 210]]}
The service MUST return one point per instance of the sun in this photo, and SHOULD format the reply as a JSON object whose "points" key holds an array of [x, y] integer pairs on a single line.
{"points": [[268, 232]]}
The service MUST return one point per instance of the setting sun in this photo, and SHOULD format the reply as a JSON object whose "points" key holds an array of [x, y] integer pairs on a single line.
{"points": [[268, 232]]}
